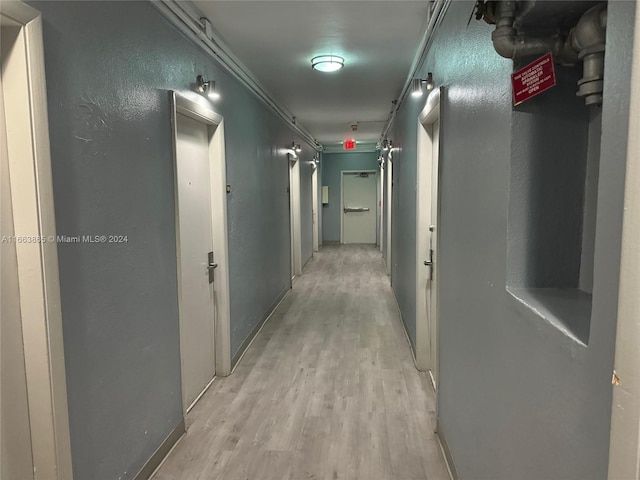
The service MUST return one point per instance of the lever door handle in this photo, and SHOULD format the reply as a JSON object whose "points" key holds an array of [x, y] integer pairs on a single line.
{"points": [[428, 263], [212, 265]]}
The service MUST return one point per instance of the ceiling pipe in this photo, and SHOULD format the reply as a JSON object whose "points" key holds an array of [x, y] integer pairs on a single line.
{"points": [[589, 38], [586, 42], [509, 44]]}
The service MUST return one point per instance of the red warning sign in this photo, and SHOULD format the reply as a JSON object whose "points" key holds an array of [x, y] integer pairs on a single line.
{"points": [[533, 79]]}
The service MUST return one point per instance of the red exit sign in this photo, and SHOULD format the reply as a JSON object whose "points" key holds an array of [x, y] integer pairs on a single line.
{"points": [[533, 79], [349, 144]]}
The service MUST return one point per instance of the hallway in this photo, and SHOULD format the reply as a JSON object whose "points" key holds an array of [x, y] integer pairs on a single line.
{"points": [[328, 390]]}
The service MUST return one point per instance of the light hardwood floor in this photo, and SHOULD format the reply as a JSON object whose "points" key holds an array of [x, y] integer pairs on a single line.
{"points": [[328, 390]]}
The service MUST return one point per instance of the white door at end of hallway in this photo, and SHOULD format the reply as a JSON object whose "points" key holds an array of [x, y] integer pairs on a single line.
{"points": [[195, 247], [359, 207]]}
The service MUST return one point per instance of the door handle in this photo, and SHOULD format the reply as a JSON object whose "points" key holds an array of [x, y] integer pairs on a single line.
{"points": [[358, 209], [211, 265], [429, 263]]}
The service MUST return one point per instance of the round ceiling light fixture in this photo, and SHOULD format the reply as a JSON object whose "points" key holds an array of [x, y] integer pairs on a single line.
{"points": [[327, 63]]}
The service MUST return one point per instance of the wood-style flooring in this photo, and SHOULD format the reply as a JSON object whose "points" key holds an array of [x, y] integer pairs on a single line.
{"points": [[327, 391]]}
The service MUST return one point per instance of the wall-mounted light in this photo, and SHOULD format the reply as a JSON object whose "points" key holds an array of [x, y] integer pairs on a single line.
{"points": [[327, 63], [416, 85], [296, 147], [207, 87]]}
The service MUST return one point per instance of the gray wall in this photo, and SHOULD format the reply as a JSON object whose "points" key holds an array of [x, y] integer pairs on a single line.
{"points": [[403, 217], [332, 166], [517, 397], [109, 68]]}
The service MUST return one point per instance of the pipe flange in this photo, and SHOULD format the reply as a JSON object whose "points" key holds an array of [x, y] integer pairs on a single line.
{"points": [[593, 100], [600, 48]]}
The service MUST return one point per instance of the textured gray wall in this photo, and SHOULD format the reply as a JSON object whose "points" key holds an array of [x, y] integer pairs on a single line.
{"points": [[109, 68], [517, 397], [403, 218], [332, 166]]}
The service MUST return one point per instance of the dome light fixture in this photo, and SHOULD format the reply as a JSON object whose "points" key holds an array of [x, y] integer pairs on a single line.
{"points": [[327, 63]]}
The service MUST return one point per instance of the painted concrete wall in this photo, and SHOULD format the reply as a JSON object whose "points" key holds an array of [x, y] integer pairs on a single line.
{"points": [[108, 75], [332, 166], [404, 218], [517, 397]]}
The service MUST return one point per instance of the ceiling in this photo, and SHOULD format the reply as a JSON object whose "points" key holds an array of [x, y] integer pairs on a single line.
{"points": [[277, 39]]}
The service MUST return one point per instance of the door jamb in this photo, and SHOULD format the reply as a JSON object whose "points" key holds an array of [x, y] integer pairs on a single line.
{"points": [[624, 446], [342, 174], [381, 180], [314, 204], [180, 103], [389, 210], [38, 273], [429, 115], [295, 219]]}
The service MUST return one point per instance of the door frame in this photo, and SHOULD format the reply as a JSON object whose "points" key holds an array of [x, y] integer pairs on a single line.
{"points": [[350, 172], [314, 206], [295, 218], [183, 104], [389, 210], [624, 446], [29, 153], [381, 186], [426, 340]]}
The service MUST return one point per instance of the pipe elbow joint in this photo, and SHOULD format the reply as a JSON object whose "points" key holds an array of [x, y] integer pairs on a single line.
{"points": [[591, 29], [504, 41]]}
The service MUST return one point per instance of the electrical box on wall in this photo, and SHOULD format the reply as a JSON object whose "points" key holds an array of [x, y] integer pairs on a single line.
{"points": [[325, 195]]}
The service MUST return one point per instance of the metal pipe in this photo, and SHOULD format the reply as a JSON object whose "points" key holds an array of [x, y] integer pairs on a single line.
{"points": [[509, 44], [589, 38], [586, 42]]}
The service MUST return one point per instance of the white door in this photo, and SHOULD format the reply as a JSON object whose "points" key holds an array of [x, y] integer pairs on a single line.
{"points": [[34, 422], [195, 248], [380, 211], [359, 207], [294, 211], [314, 206], [432, 283], [388, 207], [427, 226]]}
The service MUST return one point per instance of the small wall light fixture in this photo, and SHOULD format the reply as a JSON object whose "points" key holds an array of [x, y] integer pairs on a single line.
{"points": [[207, 87], [416, 85], [327, 63], [296, 147]]}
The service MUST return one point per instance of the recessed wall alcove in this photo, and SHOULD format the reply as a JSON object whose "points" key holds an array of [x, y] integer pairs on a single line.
{"points": [[555, 150]]}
